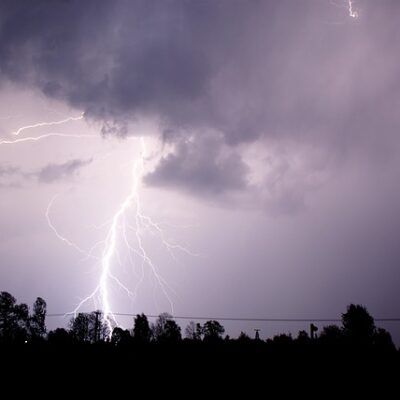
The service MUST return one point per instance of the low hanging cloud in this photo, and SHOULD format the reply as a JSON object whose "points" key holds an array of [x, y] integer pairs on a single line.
{"points": [[204, 68], [11, 176], [199, 166], [8, 170], [56, 172]]}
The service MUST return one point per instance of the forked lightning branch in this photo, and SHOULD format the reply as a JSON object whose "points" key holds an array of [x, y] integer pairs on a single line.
{"points": [[126, 228]]}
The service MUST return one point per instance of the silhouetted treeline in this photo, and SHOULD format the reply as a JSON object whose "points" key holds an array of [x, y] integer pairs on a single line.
{"points": [[17, 324], [21, 327]]}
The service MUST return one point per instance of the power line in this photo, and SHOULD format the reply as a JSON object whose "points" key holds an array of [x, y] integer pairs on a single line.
{"points": [[237, 319]]}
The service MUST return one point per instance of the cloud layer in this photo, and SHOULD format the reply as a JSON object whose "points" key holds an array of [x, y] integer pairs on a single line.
{"points": [[217, 75], [11, 176], [287, 105], [55, 172]]}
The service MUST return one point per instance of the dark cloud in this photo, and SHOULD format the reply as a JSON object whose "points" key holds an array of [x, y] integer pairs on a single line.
{"points": [[291, 104], [200, 166], [55, 172], [245, 70]]}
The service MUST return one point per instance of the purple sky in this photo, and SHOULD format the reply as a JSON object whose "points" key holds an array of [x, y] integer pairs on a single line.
{"points": [[272, 153]]}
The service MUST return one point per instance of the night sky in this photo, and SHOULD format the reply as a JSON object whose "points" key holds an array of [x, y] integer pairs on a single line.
{"points": [[260, 137]]}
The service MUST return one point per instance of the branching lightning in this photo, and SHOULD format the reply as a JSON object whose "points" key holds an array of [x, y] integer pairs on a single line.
{"points": [[126, 228], [87, 254], [118, 232], [24, 139]]}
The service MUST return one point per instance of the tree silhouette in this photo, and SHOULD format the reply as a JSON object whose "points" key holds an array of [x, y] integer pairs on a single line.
{"points": [[244, 338], [194, 331], [79, 328], [89, 327], [21, 312], [172, 332], [120, 337], [37, 322], [141, 329], [20, 328], [303, 338], [358, 325], [166, 330], [99, 330], [14, 319], [331, 335], [383, 340], [213, 331], [7, 317], [282, 340], [60, 337]]}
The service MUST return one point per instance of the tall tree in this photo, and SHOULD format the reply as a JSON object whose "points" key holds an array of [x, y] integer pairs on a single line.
{"points": [[213, 330], [194, 331], [358, 325], [80, 328], [166, 330], [98, 328], [7, 316], [120, 337], [37, 324], [21, 312], [89, 327], [14, 319], [141, 329]]}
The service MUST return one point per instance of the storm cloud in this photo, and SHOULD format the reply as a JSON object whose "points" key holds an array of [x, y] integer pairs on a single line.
{"points": [[199, 166], [216, 68], [283, 113]]}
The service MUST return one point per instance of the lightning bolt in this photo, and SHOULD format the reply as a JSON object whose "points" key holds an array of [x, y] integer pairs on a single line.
{"points": [[87, 254], [352, 12], [42, 124], [120, 231], [349, 5], [46, 135], [41, 137]]}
